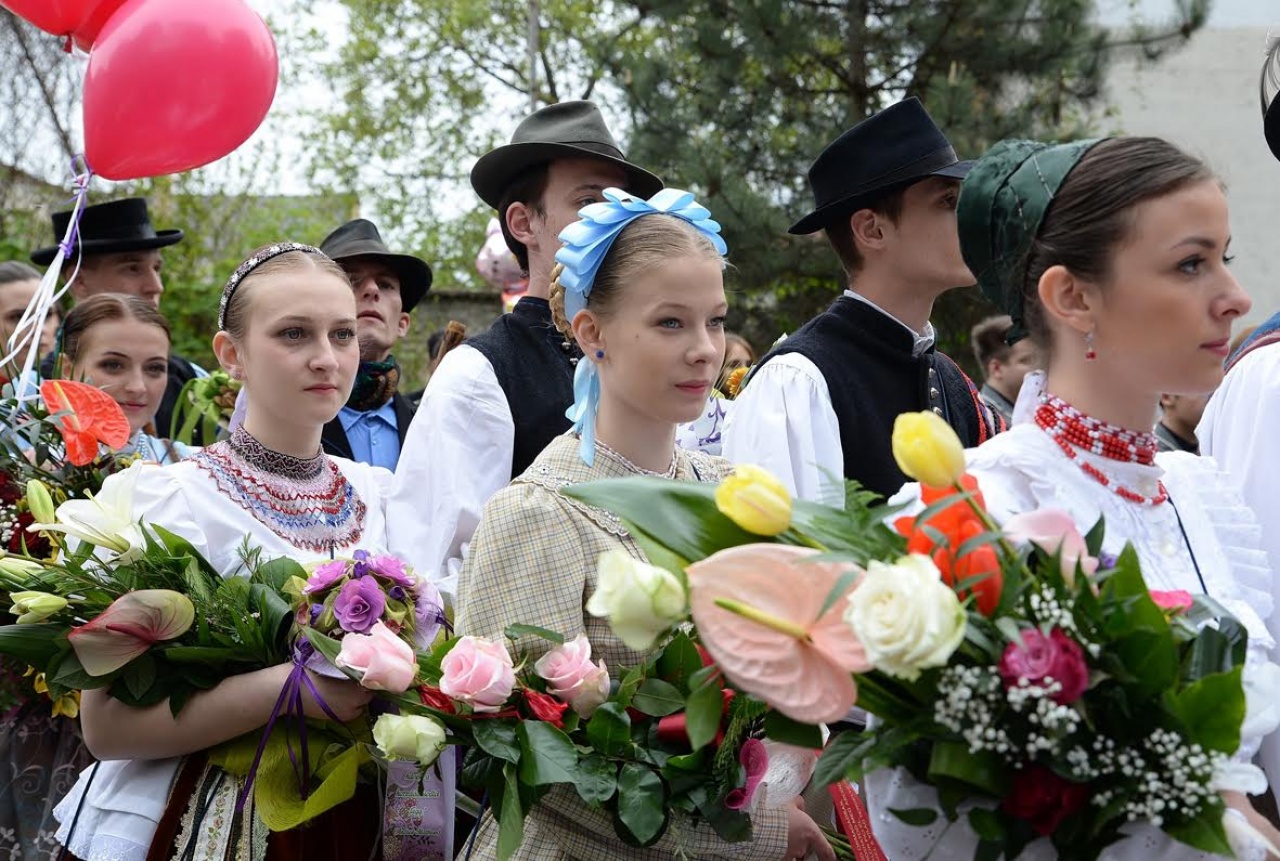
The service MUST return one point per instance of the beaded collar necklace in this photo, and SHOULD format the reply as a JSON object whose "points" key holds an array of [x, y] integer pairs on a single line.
{"points": [[1074, 431], [307, 501], [618, 458]]}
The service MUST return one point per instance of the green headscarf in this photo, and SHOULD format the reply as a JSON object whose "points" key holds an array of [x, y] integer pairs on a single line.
{"points": [[1003, 202]]}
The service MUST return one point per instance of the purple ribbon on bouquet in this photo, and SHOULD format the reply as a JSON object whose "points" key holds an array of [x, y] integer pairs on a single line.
{"points": [[290, 704]]}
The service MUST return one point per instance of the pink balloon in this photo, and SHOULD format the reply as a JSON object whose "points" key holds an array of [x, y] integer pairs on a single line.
{"points": [[174, 85], [59, 17]]}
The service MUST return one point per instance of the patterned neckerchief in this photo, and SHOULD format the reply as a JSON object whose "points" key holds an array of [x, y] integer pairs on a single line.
{"points": [[306, 501]]}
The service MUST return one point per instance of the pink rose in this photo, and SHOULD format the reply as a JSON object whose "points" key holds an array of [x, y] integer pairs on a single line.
{"points": [[573, 678], [325, 576], [1173, 602], [1037, 658], [1053, 531], [478, 672], [385, 662]]}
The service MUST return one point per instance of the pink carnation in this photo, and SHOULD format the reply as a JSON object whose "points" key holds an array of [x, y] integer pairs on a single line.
{"points": [[1037, 658], [1174, 601]]}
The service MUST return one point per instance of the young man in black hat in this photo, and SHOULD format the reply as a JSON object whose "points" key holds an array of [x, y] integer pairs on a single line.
{"points": [[371, 427], [820, 406], [496, 401], [118, 251]]}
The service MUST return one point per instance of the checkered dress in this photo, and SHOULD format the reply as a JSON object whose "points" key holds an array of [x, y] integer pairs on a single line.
{"points": [[533, 560]]}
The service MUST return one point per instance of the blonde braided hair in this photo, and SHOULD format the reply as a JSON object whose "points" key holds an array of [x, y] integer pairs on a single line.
{"points": [[556, 300]]}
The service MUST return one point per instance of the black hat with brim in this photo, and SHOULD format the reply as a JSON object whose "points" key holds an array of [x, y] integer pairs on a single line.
{"points": [[109, 228], [561, 131], [1271, 126], [360, 238], [893, 149]]}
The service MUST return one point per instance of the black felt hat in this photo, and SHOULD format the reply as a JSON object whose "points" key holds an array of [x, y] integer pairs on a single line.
{"points": [[899, 146], [110, 228], [564, 130], [360, 238]]}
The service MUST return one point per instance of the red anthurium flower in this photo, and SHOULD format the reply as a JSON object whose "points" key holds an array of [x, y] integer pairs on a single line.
{"points": [[133, 623], [91, 417]]}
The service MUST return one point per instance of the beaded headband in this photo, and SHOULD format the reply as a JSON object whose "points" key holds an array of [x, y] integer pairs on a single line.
{"points": [[243, 270]]}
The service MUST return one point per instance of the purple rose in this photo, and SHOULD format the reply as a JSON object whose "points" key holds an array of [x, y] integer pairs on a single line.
{"points": [[359, 605], [325, 576], [392, 568]]}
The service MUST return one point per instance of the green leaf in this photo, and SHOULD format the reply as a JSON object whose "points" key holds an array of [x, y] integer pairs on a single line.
{"points": [[641, 802], [986, 824], [212, 655], [1206, 833], [546, 755], [679, 660], [702, 714], [842, 584], [683, 514], [779, 727], [1093, 540], [71, 676], [34, 644], [985, 771], [597, 780], [277, 572], [139, 675], [1147, 661], [1212, 710], [657, 698], [515, 632], [496, 738], [510, 815], [629, 685], [917, 816], [609, 730], [842, 755]]}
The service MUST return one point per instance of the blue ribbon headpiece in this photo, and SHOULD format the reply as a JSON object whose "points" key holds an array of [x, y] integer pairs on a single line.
{"points": [[585, 244]]}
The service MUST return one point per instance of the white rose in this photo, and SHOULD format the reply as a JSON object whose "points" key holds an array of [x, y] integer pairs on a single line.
{"points": [[640, 600], [412, 737], [906, 618]]}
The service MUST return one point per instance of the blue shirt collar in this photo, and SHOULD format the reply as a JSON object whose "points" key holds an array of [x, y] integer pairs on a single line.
{"points": [[386, 412]]}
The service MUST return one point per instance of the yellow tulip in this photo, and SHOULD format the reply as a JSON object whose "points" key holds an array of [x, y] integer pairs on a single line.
{"points": [[39, 502], [752, 498], [927, 449], [68, 704]]}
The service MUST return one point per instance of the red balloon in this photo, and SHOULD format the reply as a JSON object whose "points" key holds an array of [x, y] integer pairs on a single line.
{"points": [[87, 33], [174, 85], [62, 17]]}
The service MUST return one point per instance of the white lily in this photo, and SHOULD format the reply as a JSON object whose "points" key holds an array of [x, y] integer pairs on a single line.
{"points": [[106, 520]]}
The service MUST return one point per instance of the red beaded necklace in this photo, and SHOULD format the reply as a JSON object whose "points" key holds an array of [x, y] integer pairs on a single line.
{"points": [[1072, 430]]}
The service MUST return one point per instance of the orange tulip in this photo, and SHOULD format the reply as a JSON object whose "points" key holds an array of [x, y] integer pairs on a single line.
{"points": [[956, 523]]}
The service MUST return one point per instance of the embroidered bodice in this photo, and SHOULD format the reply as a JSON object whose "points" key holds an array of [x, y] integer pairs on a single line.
{"points": [[306, 501]]}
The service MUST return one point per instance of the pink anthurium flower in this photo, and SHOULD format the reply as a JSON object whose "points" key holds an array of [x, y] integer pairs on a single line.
{"points": [[754, 757], [133, 623], [757, 608], [1053, 530]]}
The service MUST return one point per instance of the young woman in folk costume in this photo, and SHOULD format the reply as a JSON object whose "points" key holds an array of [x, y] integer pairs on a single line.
{"points": [[641, 291], [1112, 255], [120, 344], [287, 329]]}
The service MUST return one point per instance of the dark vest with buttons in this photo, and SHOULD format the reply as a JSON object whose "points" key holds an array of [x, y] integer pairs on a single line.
{"points": [[872, 376], [534, 366]]}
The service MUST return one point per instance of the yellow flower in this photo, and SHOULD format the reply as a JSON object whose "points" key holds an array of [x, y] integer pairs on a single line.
{"points": [[752, 498], [734, 383], [67, 704], [39, 502], [927, 449], [39, 684]]}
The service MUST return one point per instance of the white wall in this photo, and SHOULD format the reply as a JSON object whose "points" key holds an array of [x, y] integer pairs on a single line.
{"points": [[1205, 98]]}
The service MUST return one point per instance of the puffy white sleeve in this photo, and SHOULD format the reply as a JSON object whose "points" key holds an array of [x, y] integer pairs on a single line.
{"points": [[456, 455], [159, 498], [784, 421]]}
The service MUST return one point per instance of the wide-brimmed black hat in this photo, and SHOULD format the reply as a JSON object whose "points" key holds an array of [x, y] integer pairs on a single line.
{"points": [[899, 146], [1271, 126], [360, 238], [110, 228], [564, 130]]}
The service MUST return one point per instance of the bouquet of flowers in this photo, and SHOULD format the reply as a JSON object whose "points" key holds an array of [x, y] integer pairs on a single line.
{"points": [[206, 403], [1043, 691]]}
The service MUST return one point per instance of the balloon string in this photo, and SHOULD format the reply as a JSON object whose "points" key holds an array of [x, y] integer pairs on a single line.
{"points": [[26, 334]]}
